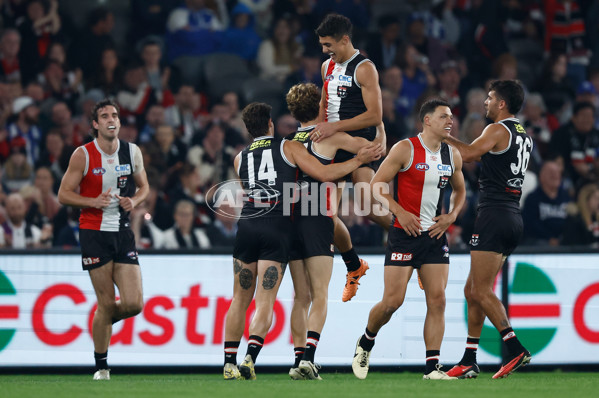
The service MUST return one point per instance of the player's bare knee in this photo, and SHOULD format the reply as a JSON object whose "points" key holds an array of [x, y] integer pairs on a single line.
{"points": [[436, 303]]}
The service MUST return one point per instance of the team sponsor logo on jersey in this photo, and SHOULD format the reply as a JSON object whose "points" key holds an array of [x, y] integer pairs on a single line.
{"points": [[122, 182], [301, 136], [329, 78], [345, 80], [260, 144], [91, 260], [519, 128], [474, 240], [444, 168], [422, 167], [443, 182], [122, 169], [342, 91], [401, 256], [98, 171], [515, 182]]}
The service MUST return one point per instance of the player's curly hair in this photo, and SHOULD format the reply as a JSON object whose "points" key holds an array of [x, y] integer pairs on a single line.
{"points": [[303, 101]]}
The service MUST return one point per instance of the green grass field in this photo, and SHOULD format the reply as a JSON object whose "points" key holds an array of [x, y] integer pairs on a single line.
{"points": [[378, 384]]}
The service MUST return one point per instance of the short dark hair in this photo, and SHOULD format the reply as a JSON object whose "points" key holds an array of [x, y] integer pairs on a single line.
{"points": [[99, 105], [256, 117], [303, 101], [336, 26], [511, 92], [430, 106], [580, 105]]}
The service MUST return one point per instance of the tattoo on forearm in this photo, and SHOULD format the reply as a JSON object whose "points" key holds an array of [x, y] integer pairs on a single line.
{"points": [[246, 278], [271, 277], [236, 266]]}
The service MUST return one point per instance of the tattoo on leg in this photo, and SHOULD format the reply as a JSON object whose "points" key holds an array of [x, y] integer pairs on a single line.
{"points": [[245, 278], [283, 268], [271, 276], [236, 266], [505, 323]]}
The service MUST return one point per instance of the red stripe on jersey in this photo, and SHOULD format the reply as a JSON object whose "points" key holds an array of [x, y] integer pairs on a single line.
{"points": [[409, 183], [91, 187], [329, 71]]}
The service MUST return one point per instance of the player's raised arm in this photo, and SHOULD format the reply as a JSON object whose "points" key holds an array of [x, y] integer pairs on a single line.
{"points": [[494, 137]]}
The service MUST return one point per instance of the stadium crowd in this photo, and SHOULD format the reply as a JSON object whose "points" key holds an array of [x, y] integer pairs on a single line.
{"points": [[185, 69]]}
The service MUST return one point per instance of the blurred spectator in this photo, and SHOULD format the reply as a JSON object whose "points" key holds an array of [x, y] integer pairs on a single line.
{"points": [[56, 84], [109, 75], [279, 55], [231, 99], [544, 212], [577, 142], [66, 227], [147, 234], [189, 186], [505, 67], [55, 155], [4, 145], [17, 171], [241, 37], [154, 118], [148, 17], [171, 152], [40, 27], [382, 48], [128, 132], [157, 75], [555, 87], [138, 95], [221, 114], [87, 48], [285, 125], [10, 64], [442, 24], [184, 234], [565, 33], [84, 115], [184, 114], [223, 229], [35, 91], [395, 127], [587, 92], [540, 126], [362, 232], [475, 102], [25, 127], [472, 127], [193, 29], [262, 10], [417, 77], [309, 69], [448, 77], [73, 76], [45, 199], [428, 46], [62, 120], [582, 225], [15, 232], [213, 159]]}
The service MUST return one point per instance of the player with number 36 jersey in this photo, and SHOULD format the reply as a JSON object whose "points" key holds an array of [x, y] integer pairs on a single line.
{"points": [[504, 150]]}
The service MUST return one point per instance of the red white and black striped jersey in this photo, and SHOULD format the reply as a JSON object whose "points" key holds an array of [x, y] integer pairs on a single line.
{"points": [[419, 186], [103, 171], [344, 93]]}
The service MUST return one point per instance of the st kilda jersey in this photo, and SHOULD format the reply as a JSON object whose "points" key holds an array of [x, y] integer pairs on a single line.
{"points": [[344, 93], [502, 173], [314, 196], [419, 186], [264, 171], [104, 171]]}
